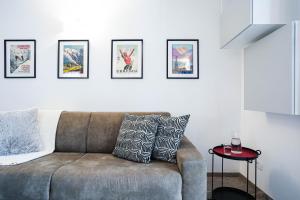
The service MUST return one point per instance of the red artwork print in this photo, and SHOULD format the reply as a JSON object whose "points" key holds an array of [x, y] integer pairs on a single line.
{"points": [[23, 46]]}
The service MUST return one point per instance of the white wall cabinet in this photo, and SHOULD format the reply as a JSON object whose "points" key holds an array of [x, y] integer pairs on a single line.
{"points": [[272, 72], [246, 21]]}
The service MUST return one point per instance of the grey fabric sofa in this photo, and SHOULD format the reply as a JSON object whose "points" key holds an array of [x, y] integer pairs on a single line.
{"points": [[82, 167]]}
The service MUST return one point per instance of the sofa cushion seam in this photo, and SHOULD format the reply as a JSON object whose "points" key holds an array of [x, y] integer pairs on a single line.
{"points": [[50, 182], [87, 132]]}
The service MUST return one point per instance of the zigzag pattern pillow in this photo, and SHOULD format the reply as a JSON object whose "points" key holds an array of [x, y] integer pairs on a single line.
{"points": [[136, 138], [169, 135]]}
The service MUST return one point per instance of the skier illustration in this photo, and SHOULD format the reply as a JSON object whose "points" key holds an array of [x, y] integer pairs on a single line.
{"points": [[127, 59]]}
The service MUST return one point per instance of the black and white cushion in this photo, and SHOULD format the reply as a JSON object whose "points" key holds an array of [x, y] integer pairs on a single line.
{"points": [[169, 135], [136, 138]]}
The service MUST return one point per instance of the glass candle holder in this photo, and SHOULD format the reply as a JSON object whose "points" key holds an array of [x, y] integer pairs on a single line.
{"points": [[236, 146], [227, 149]]}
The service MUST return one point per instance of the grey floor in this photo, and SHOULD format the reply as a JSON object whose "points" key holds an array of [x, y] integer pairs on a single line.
{"points": [[235, 181]]}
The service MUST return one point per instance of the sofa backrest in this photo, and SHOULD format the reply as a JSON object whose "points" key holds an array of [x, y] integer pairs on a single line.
{"points": [[91, 132]]}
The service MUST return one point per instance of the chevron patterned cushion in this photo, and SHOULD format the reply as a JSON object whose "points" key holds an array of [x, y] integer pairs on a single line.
{"points": [[169, 135], [136, 138]]}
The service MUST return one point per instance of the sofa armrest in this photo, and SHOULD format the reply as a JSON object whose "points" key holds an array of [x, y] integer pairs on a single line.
{"points": [[193, 169]]}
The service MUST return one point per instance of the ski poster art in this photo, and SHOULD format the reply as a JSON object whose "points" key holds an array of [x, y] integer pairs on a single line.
{"points": [[20, 59], [127, 59], [73, 59]]}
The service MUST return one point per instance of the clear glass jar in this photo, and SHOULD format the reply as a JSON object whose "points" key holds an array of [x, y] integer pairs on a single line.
{"points": [[227, 149], [236, 145]]}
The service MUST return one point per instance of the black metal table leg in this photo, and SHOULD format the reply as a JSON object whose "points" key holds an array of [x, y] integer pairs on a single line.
{"points": [[210, 151], [212, 174], [222, 170], [247, 175], [255, 178]]}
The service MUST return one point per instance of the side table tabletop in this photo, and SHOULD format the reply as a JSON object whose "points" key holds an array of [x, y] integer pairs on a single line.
{"points": [[223, 193]]}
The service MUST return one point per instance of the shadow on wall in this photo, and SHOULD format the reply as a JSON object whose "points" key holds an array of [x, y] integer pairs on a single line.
{"points": [[284, 120], [284, 186]]}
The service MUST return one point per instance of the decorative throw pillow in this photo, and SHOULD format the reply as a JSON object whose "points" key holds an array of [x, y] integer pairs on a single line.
{"points": [[169, 135], [19, 132], [136, 138]]}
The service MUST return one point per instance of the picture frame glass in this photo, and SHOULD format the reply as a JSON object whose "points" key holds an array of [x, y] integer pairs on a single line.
{"points": [[127, 59], [73, 59], [20, 59], [183, 59]]}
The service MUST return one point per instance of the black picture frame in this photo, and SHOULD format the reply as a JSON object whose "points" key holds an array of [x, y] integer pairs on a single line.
{"points": [[112, 58], [5, 57], [197, 60], [87, 61]]}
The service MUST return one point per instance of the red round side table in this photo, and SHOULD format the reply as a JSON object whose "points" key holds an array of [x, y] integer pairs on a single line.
{"points": [[248, 155]]}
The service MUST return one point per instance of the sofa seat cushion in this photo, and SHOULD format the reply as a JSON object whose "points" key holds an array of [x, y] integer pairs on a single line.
{"points": [[103, 176], [31, 180]]}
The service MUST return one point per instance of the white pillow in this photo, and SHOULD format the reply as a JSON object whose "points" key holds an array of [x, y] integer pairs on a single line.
{"points": [[19, 132]]}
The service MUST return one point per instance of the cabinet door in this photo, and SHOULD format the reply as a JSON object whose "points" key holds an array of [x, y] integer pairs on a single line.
{"points": [[275, 11], [297, 67], [236, 16], [269, 73]]}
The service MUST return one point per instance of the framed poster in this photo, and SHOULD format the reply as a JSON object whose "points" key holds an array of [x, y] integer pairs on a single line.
{"points": [[127, 59], [19, 58], [73, 59], [182, 59]]}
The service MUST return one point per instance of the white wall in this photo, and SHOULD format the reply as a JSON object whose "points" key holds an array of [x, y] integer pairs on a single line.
{"points": [[213, 100], [278, 137]]}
